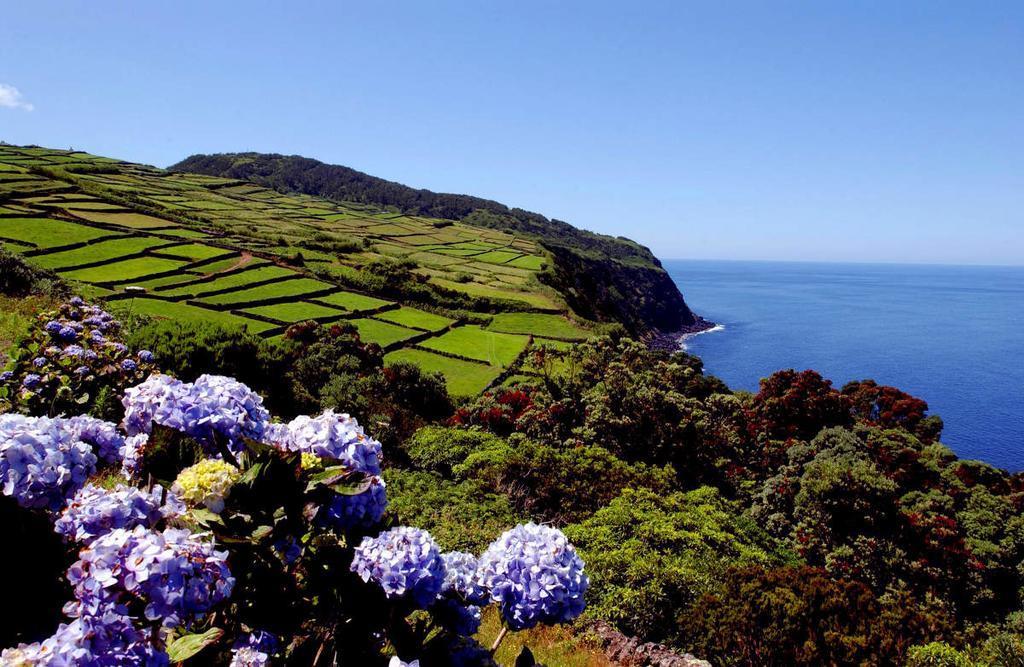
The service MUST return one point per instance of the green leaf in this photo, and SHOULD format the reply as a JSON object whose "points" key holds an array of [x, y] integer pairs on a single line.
{"points": [[206, 517], [261, 532], [186, 646], [340, 480]]}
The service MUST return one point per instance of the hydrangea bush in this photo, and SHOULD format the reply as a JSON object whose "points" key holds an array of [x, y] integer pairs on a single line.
{"points": [[68, 360], [242, 541]]}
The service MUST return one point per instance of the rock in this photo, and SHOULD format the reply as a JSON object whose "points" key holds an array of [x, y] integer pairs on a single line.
{"points": [[631, 652]]}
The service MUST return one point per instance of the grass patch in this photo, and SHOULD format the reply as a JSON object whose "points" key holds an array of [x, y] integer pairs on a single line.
{"points": [[297, 311], [48, 233], [237, 279], [132, 220], [382, 333], [497, 349], [538, 324], [415, 318], [551, 645], [17, 315], [183, 312], [197, 251], [464, 378], [129, 269], [353, 301], [97, 252], [296, 288]]}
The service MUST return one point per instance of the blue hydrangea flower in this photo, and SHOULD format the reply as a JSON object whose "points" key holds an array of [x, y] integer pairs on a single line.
{"points": [[457, 617], [213, 404], [53, 327], [131, 454], [146, 357], [6, 376], [67, 333], [39, 362], [178, 575], [31, 380], [398, 662], [83, 370], [461, 578], [102, 435], [534, 575], [72, 351], [107, 638], [254, 650], [364, 510], [95, 511], [128, 365], [405, 562], [76, 301], [90, 355], [41, 461], [330, 435]]}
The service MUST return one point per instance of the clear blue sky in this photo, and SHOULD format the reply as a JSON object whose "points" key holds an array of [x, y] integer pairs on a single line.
{"points": [[862, 131]]}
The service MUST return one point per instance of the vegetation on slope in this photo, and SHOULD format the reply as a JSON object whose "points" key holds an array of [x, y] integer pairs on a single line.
{"points": [[601, 276]]}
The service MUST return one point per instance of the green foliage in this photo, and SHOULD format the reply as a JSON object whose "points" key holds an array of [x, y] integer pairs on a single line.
{"points": [[462, 516], [557, 484], [804, 616], [937, 654], [19, 279], [440, 449], [651, 555]]}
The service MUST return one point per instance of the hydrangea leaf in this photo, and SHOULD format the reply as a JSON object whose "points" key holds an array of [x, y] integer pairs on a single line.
{"points": [[186, 646]]}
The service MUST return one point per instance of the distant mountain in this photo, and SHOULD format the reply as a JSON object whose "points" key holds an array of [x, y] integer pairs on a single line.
{"points": [[602, 277]]}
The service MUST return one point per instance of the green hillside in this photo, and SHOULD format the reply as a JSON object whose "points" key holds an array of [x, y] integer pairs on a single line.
{"points": [[465, 301], [605, 278]]}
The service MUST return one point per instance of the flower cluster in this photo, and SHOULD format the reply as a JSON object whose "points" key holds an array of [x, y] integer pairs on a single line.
{"points": [[206, 483], [175, 573], [461, 577], [338, 437], [213, 406], [405, 562], [106, 440], [42, 461], [68, 358], [105, 639], [332, 436], [534, 575], [95, 511], [254, 650]]}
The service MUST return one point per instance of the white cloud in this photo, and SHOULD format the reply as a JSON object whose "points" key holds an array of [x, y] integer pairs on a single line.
{"points": [[10, 97]]}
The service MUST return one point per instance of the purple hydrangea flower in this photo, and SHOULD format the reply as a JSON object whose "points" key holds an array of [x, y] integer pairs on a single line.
{"points": [[73, 351], [120, 348], [178, 575], [461, 578], [6, 376], [146, 357], [534, 575], [405, 562], [131, 454], [90, 355], [83, 370], [364, 510], [102, 435], [67, 333], [53, 327], [95, 511], [213, 404], [97, 337], [330, 435], [31, 380], [460, 618], [128, 365], [41, 461], [39, 362], [254, 650], [107, 638], [76, 301]]}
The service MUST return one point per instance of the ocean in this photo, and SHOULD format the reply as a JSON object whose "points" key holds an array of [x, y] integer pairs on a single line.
{"points": [[952, 335]]}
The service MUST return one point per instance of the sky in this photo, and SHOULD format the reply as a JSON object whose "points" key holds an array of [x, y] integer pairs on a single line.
{"points": [[819, 131]]}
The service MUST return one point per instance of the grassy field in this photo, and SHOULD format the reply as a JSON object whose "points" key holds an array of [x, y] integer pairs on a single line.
{"points": [[204, 245], [538, 324], [497, 349], [415, 318], [46, 233], [464, 378], [295, 311]]}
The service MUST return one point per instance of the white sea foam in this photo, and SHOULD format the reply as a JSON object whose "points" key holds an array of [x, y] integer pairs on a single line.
{"points": [[686, 337]]}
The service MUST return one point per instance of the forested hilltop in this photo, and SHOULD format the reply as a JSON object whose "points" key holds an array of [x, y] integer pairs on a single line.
{"points": [[603, 277]]}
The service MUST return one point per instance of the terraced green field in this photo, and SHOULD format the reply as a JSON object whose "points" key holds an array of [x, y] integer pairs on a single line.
{"points": [[218, 250]]}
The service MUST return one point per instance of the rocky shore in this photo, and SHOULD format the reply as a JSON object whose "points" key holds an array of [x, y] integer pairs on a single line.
{"points": [[671, 341]]}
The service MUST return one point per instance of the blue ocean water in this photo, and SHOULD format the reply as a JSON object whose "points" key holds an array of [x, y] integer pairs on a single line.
{"points": [[952, 335]]}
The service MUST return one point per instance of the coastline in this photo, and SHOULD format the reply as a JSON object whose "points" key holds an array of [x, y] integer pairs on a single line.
{"points": [[675, 341]]}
